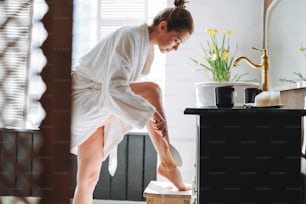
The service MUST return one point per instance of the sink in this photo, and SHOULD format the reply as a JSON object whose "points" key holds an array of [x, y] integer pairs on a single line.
{"points": [[205, 92]]}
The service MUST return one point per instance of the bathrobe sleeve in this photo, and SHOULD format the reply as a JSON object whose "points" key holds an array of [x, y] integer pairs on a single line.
{"points": [[117, 94]]}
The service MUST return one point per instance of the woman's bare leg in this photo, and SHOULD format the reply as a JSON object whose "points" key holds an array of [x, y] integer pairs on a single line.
{"points": [[90, 157], [151, 92]]}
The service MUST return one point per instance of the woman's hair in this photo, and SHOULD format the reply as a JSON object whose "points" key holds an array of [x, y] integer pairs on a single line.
{"points": [[178, 18]]}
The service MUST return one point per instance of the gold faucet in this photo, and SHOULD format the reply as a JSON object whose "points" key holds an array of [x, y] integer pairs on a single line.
{"points": [[264, 66]]}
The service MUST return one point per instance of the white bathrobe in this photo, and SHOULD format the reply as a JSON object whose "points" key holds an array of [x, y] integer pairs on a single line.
{"points": [[101, 91]]}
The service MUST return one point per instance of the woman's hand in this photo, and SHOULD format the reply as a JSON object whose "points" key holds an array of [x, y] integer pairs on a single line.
{"points": [[159, 124]]}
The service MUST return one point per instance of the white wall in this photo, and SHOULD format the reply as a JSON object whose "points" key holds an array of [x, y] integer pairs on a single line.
{"points": [[244, 18]]}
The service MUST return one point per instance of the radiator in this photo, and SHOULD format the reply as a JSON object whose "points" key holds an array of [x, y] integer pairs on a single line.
{"points": [[137, 162]]}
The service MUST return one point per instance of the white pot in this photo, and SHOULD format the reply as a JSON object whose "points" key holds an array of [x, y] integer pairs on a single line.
{"points": [[205, 92]]}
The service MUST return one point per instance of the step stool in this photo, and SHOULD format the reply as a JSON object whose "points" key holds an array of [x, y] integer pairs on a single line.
{"points": [[159, 192]]}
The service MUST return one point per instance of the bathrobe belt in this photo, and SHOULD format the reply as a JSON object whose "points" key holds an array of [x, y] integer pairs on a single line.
{"points": [[114, 133]]}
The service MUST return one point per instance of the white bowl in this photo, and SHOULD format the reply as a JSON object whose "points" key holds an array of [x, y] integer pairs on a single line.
{"points": [[205, 92]]}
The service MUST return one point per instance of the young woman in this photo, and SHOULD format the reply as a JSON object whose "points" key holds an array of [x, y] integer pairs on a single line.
{"points": [[108, 98]]}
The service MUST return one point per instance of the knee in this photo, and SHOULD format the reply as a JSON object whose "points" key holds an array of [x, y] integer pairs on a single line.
{"points": [[154, 89], [92, 178], [88, 180]]}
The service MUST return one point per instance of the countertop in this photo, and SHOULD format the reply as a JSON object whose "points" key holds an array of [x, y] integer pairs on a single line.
{"points": [[290, 86], [206, 110]]}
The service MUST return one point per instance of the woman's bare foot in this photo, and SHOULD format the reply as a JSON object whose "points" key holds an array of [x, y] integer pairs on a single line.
{"points": [[173, 174]]}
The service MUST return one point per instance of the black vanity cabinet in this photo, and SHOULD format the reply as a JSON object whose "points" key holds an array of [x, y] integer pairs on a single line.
{"points": [[248, 156]]}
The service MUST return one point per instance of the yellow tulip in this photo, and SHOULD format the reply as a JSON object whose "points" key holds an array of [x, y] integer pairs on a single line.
{"points": [[214, 32], [212, 46], [226, 55], [214, 57], [217, 56], [205, 57], [228, 33], [211, 31]]}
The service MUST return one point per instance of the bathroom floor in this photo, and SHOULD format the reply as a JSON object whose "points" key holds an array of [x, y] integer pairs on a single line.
{"points": [[35, 200], [117, 202]]}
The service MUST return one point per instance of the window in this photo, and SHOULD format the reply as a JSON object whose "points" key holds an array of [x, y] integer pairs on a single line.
{"points": [[114, 14]]}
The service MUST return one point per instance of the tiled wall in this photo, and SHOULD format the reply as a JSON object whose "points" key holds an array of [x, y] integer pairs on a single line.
{"points": [[245, 19]]}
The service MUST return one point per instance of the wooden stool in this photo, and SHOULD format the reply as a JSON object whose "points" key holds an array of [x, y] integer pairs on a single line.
{"points": [[158, 192]]}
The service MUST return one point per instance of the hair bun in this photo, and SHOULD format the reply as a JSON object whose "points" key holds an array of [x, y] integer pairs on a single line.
{"points": [[180, 3]]}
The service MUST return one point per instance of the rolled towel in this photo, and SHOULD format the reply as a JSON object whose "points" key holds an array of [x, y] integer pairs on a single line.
{"points": [[263, 99], [275, 98]]}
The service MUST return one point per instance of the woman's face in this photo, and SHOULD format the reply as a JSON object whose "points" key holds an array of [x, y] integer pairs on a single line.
{"points": [[170, 41]]}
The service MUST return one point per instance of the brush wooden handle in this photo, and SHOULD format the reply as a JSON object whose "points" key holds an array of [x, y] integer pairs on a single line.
{"points": [[169, 155]]}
